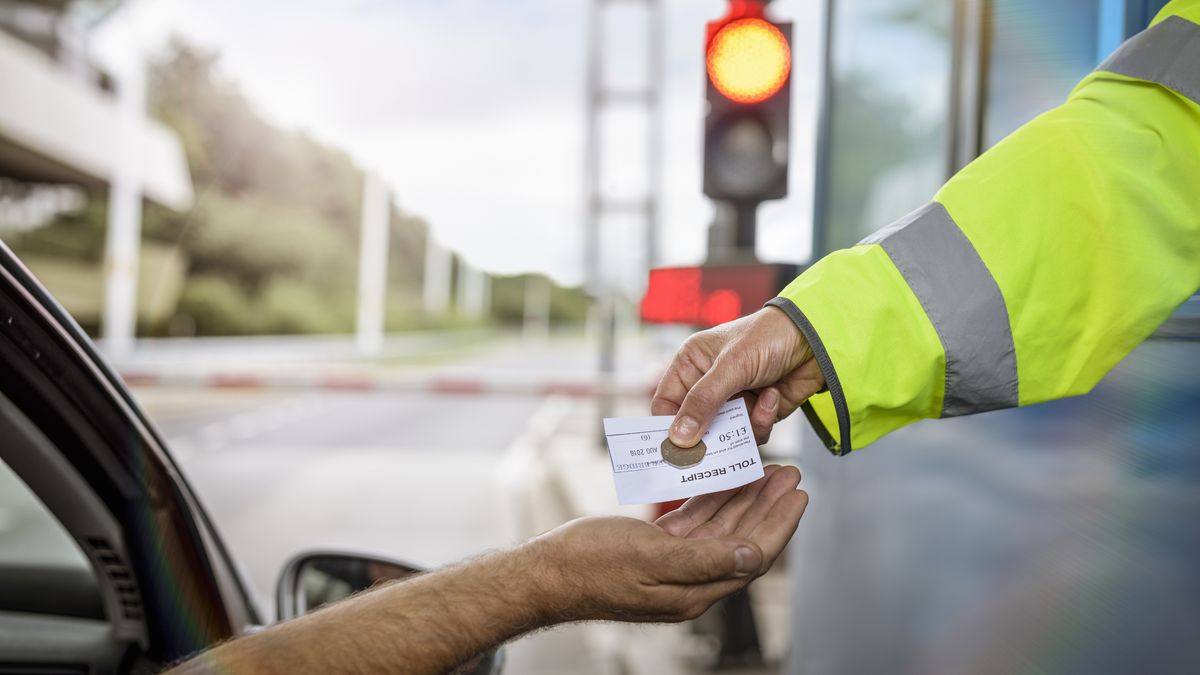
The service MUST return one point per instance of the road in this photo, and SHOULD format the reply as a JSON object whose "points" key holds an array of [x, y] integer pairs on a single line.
{"points": [[405, 474], [410, 475]]}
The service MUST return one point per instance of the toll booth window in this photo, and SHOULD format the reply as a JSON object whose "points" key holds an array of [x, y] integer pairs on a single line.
{"points": [[889, 80], [1038, 52]]}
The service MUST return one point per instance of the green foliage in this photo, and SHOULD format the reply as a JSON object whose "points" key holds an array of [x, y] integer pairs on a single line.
{"points": [[272, 240], [253, 242], [217, 306], [567, 305], [270, 244], [231, 149], [288, 307], [76, 236]]}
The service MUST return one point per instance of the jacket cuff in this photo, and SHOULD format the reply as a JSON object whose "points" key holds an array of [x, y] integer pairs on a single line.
{"points": [[837, 439]]}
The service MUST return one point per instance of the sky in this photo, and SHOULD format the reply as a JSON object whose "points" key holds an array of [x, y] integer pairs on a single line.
{"points": [[472, 111]]}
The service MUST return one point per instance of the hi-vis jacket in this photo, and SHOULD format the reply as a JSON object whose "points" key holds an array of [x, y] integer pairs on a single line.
{"points": [[1035, 269]]}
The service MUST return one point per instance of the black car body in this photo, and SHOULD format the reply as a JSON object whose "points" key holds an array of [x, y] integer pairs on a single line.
{"points": [[161, 584]]}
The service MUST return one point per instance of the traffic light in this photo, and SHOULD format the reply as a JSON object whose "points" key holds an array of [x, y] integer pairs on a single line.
{"points": [[748, 59]]}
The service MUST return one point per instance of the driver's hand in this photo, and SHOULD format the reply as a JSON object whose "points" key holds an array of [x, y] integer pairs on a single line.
{"points": [[675, 568], [763, 356]]}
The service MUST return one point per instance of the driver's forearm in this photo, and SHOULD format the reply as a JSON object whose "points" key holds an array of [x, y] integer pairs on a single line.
{"points": [[429, 624]]}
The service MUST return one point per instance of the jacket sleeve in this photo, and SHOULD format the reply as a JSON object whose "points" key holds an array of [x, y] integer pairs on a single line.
{"points": [[1034, 270]]}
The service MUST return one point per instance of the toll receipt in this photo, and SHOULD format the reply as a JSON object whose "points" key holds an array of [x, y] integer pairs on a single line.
{"points": [[642, 477]]}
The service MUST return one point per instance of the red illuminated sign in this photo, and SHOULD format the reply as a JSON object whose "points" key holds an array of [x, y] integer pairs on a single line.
{"points": [[711, 295]]}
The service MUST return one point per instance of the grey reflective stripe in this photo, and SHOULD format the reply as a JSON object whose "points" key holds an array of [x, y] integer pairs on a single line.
{"points": [[963, 303], [1167, 53]]}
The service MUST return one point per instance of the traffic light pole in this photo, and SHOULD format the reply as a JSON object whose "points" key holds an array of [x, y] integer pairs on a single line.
{"points": [[746, 226], [732, 235]]}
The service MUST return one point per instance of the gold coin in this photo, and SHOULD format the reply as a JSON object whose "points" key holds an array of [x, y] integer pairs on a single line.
{"points": [[682, 458]]}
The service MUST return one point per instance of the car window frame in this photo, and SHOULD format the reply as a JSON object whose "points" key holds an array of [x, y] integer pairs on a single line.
{"points": [[55, 349]]}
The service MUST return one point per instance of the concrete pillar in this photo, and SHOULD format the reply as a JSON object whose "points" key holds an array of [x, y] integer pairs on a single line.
{"points": [[436, 291], [118, 324], [372, 265], [536, 324], [485, 294], [471, 291]]}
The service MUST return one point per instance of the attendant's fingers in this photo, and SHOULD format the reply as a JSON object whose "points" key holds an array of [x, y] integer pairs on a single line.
{"points": [[688, 366], [797, 386], [725, 519], [783, 481], [763, 414], [668, 395], [725, 378]]}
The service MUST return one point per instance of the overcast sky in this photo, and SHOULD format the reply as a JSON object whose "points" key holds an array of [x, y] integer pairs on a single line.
{"points": [[472, 111]]}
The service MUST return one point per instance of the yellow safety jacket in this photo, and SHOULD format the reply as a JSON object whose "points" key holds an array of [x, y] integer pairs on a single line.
{"points": [[1035, 269]]}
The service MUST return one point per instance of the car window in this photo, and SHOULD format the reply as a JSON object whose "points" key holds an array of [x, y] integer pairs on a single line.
{"points": [[42, 569]]}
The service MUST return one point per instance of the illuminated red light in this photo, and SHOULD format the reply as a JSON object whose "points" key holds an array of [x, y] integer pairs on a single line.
{"points": [[748, 60], [720, 306], [707, 296]]}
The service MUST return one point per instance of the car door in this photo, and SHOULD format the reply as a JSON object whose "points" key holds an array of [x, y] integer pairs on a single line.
{"points": [[73, 436]]}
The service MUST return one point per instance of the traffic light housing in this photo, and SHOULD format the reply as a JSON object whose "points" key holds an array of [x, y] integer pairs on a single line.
{"points": [[748, 63]]}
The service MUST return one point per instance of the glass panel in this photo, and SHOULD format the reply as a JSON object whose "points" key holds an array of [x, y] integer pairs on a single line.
{"points": [[42, 570], [29, 534], [888, 112], [1056, 538], [1039, 51]]}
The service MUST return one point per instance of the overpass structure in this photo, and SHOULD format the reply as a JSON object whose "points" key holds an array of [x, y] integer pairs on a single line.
{"points": [[66, 122]]}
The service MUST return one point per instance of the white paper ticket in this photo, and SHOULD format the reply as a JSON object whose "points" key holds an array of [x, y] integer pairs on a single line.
{"points": [[642, 477]]}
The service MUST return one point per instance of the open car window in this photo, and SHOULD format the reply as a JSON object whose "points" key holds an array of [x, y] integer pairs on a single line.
{"points": [[42, 569]]}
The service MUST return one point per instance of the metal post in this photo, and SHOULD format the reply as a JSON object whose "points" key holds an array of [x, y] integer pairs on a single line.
{"points": [[591, 155], [470, 290], [968, 74], [654, 85], [747, 225], [372, 265], [123, 239], [821, 240]]}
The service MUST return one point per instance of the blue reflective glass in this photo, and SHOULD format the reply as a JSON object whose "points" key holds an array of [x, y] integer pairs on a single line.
{"points": [[890, 85], [1038, 51]]}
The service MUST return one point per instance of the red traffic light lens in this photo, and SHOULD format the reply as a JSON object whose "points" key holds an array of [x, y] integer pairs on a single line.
{"points": [[749, 60]]}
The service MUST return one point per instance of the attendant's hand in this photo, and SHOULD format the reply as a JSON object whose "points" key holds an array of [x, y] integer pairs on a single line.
{"points": [[625, 569], [763, 356]]}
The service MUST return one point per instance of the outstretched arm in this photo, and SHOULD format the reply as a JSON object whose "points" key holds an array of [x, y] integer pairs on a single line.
{"points": [[593, 568]]}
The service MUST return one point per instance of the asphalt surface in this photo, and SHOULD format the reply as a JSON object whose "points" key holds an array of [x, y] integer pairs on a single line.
{"points": [[404, 474]]}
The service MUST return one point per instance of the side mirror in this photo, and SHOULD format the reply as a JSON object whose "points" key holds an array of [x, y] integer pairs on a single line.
{"points": [[318, 578]]}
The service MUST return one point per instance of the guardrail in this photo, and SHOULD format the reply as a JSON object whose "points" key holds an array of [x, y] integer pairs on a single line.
{"points": [[435, 385]]}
